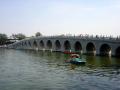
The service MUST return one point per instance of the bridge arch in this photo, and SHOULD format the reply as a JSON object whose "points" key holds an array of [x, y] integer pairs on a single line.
{"points": [[117, 52], [35, 44], [42, 44], [67, 45], [105, 50], [77, 46], [49, 44], [29, 43], [57, 45], [25, 43], [90, 48], [22, 43]]}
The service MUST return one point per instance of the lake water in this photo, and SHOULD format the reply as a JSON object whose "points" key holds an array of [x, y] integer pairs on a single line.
{"points": [[37, 70]]}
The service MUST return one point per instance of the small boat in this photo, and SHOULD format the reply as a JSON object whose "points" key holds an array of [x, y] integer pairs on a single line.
{"points": [[75, 59]]}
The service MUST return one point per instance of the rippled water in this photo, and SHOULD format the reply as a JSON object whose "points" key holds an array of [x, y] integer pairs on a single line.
{"points": [[33, 70]]}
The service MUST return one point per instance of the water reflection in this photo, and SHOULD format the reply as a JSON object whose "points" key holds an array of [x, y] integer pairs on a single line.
{"points": [[95, 65], [59, 58], [44, 70], [91, 61], [103, 61]]}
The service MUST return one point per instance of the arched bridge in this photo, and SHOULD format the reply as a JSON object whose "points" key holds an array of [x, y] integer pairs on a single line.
{"points": [[84, 45]]}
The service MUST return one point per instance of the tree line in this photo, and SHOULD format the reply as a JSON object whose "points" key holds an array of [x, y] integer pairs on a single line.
{"points": [[4, 39]]}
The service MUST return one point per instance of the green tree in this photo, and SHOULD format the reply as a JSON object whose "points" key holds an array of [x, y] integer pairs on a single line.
{"points": [[19, 36], [3, 39], [38, 34]]}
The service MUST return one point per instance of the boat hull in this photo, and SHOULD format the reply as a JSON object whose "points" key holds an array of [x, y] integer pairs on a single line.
{"points": [[77, 63]]}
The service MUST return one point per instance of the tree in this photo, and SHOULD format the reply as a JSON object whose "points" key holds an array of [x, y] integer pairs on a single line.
{"points": [[38, 34], [19, 36], [3, 39]]}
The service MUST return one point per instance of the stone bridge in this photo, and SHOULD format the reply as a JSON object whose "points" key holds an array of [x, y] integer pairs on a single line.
{"points": [[83, 45]]}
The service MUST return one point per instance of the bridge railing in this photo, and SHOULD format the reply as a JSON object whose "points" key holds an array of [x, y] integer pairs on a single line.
{"points": [[97, 37]]}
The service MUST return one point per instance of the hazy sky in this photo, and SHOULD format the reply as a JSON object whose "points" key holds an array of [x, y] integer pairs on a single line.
{"points": [[51, 17]]}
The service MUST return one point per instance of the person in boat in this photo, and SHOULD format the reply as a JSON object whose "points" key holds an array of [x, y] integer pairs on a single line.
{"points": [[75, 57]]}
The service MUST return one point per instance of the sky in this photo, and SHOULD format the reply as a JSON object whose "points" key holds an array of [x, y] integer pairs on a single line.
{"points": [[55, 17]]}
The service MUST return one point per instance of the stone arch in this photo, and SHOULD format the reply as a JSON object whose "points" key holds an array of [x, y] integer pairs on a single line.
{"points": [[41, 44], [29, 43], [105, 50], [67, 45], [22, 44], [77, 46], [117, 52], [57, 45], [49, 44], [90, 48], [25, 43], [35, 44]]}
